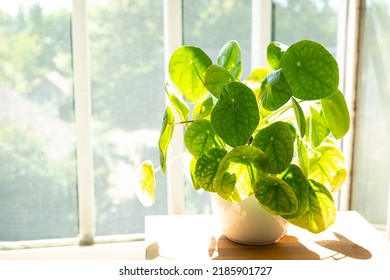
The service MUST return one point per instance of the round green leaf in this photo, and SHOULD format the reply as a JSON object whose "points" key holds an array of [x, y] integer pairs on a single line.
{"points": [[276, 196], [238, 171], [230, 58], [275, 52], [206, 168], [146, 183], [200, 137], [320, 212], [336, 114], [311, 70], [277, 143], [165, 136], [275, 91], [215, 78], [295, 178], [236, 114], [187, 69]]}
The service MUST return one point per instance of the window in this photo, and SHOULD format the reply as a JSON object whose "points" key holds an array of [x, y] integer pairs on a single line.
{"points": [[42, 192], [371, 155], [37, 138]]}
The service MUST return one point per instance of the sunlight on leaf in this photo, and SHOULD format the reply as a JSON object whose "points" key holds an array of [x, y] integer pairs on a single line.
{"points": [[187, 68], [146, 184], [320, 212], [215, 78], [178, 103], [230, 58], [336, 114], [241, 168], [204, 109], [327, 166], [319, 129]]}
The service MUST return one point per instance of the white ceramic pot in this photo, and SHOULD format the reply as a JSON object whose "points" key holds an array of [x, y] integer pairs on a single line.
{"points": [[247, 222]]}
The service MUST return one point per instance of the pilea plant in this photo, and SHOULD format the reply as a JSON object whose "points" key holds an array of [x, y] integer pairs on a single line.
{"points": [[272, 135]]}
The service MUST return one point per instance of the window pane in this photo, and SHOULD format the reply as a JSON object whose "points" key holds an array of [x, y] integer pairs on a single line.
{"points": [[209, 24], [306, 19], [372, 150], [126, 41], [38, 197]]}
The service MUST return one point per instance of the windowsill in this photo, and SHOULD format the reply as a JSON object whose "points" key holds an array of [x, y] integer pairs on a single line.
{"points": [[113, 251]]}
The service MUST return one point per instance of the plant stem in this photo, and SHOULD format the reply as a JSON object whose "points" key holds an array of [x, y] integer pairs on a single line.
{"points": [[182, 122], [171, 160]]}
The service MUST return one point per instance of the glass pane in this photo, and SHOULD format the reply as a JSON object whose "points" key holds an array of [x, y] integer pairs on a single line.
{"points": [[372, 150], [209, 24], [293, 21], [126, 41], [38, 197]]}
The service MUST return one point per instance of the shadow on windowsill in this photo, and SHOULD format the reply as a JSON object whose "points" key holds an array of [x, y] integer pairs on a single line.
{"points": [[288, 248]]}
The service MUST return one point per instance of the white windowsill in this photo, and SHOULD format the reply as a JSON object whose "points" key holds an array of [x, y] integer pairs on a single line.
{"points": [[111, 251]]}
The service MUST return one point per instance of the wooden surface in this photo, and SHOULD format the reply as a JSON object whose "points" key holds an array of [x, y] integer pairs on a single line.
{"points": [[198, 237]]}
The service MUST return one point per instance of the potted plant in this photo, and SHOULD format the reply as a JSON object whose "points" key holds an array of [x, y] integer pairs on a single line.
{"points": [[269, 138]]}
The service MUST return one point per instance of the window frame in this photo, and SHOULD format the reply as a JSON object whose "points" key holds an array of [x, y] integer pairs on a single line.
{"points": [[348, 39]]}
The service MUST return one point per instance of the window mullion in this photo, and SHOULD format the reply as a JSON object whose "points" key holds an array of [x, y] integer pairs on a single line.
{"points": [[83, 116], [261, 31], [173, 38], [351, 53]]}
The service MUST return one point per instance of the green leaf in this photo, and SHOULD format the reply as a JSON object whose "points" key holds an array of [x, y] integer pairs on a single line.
{"points": [[236, 115], [215, 78], [206, 168], [165, 136], [238, 171], [275, 91], [275, 52], [303, 156], [200, 137], [336, 114], [146, 183], [187, 68], [311, 70], [319, 129], [320, 212], [204, 109], [276, 196], [277, 143], [230, 58], [299, 116], [327, 167], [295, 178], [178, 103]]}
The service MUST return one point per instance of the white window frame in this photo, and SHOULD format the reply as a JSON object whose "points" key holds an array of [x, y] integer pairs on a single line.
{"points": [[261, 35]]}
